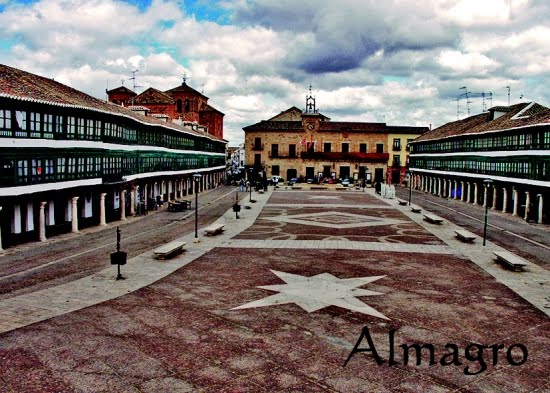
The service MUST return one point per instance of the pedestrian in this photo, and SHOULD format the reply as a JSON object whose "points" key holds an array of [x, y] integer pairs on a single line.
{"points": [[241, 183], [247, 185]]}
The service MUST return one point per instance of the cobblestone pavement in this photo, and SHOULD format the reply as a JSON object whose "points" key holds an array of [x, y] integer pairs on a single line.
{"points": [[277, 303]]}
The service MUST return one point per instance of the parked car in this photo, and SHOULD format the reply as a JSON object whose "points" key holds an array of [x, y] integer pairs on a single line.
{"points": [[292, 181], [329, 180], [345, 183]]}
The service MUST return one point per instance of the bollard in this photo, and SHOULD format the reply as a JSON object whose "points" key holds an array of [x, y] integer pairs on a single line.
{"points": [[119, 257]]}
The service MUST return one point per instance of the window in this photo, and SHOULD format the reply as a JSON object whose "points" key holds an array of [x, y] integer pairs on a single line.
{"points": [[80, 128], [362, 148], [292, 150], [345, 147], [396, 144], [409, 144], [379, 148], [49, 169], [326, 147], [274, 150], [179, 105], [48, 126], [257, 144], [275, 170], [22, 171], [21, 123], [60, 168], [71, 126], [187, 105], [5, 122], [396, 160]]}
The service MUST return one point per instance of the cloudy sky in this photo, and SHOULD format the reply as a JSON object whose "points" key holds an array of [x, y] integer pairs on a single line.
{"points": [[402, 62]]}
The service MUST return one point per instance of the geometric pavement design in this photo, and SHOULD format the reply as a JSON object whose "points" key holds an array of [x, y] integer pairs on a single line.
{"points": [[337, 220]]}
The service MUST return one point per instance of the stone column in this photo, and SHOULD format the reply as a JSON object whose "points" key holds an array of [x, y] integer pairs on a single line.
{"points": [[133, 201], [102, 220], [145, 196], [494, 198], [475, 194], [539, 221], [439, 193], [468, 192], [516, 203], [74, 209], [462, 196], [122, 205], [527, 202], [42, 222], [504, 199], [1, 249]]}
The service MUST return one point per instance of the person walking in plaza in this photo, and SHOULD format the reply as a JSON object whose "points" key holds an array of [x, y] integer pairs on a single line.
{"points": [[247, 185], [241, 183]]}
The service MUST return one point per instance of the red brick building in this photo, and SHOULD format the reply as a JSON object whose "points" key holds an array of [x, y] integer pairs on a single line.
{"points": [[181, 104]]}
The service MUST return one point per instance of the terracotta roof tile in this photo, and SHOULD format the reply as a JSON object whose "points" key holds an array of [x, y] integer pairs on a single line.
{"points": [[536, 114], [184, 88]]}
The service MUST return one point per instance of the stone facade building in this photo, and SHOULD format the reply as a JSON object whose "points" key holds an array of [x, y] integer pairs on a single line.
{"points": [[181, 104], [308, 145], [499, 159]]}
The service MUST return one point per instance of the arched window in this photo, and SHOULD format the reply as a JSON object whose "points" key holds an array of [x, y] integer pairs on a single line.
{"points": [[179, 105], [187, 105]]}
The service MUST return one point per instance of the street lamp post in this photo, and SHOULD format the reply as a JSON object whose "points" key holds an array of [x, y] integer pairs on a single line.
{"points": [[486, 183], [250, 171], [197, 179], [410, 186]]}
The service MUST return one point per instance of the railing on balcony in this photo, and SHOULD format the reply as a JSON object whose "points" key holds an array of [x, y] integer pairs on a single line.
{"points": [[339, 156], [282, 155], [258, 147], [397, 148]]}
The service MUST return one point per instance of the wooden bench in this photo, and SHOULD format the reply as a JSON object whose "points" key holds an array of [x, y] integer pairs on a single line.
{"points": [[512, 260], [465, 236], [433, 219], [169, 250], [402, 202], [214, 229], [416, 209]]}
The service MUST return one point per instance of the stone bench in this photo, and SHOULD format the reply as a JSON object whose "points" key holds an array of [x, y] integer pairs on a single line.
{"points": [[402, 202], [214, 229], [169, 250], [416, 209], [178, 206], [512, 260], [465, 236], [431, 218]]}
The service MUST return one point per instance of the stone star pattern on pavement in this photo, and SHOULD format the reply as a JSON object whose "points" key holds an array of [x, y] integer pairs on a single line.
{"points": [[317, 292]]}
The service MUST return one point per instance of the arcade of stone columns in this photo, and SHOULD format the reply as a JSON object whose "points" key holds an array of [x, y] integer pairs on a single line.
{"points": [[475, 192], [139, 191]]}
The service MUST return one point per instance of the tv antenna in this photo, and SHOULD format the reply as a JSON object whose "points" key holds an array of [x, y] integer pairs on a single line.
{"points": [[133, 78]]}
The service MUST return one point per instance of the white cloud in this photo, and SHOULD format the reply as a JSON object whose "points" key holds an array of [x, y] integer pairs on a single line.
{"points": [[399, 61], [461, 63]]}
